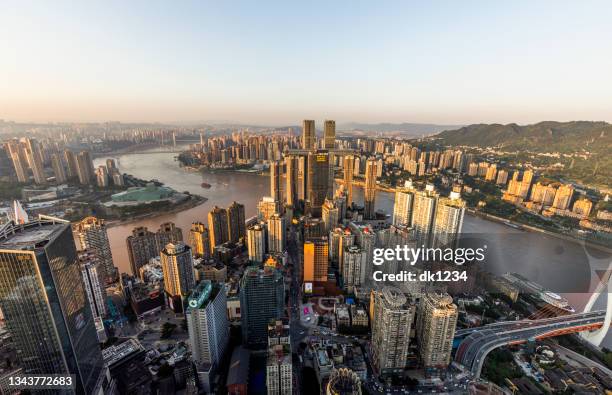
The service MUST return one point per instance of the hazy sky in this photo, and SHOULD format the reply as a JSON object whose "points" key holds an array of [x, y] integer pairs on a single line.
{"points": [[278, 62]]}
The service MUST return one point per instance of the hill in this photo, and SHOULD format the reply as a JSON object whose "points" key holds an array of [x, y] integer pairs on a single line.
{"points": [[403, 129]]}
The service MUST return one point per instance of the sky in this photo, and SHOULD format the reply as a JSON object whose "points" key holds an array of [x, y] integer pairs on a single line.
{"points": [[277, 62]]}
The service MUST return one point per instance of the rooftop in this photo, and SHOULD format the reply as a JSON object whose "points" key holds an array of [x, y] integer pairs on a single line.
{"points": [[116, 353], [30, 236]]}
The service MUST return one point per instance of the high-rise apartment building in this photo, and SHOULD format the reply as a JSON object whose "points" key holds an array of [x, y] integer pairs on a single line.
{"points": [[349, 168], [208, 329], [142, 246], [218, 227], [45, 307], [262, 299], [91, 234], [308, 134], [436, 324], [392, 317], [236, 222], [72, 165], [20, 163], [276, 234], [168, 232], [34, 157], [275, 180], [177, 267], [279, 368], [317, 181], [85, 169], [502, 177], [316, 260], [353, 267], [369, 198], [102, 177], [563, 197], [402, 208], [291, 180], [423, 214], [448, 220], [583, 207], [58, 169], [330, 214], [199, 240], [267, 207], [256, 243], [92, 272], [329, 136]]}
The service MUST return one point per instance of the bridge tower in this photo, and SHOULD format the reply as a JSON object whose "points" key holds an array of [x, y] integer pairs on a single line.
{"points": [[597, 336]]}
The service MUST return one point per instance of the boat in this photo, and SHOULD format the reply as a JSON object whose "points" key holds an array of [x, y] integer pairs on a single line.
{"points": [[205, 185]]}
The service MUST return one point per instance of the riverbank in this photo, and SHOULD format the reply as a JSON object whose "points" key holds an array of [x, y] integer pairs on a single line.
{"points": [[194, 201]]}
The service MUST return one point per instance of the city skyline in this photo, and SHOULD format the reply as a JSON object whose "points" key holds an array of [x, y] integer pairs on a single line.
{"points": [[444, 63]]}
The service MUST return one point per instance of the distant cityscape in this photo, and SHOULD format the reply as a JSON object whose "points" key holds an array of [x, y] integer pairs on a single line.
{"points": [[285, 301]]}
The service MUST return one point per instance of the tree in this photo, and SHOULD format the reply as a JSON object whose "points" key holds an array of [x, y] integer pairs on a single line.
{"points": [[167, 330]]}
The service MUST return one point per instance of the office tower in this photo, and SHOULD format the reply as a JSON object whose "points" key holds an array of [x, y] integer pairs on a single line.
{"points": [[177, 266], [262, 297], [91, 235], [58, 169], [583, 207], [199, 240], [93, 280], [276, 234], [142, 245], [45, 307], [275, 180], [85, 169], [19, 160], [236, 222], [353, 267], [302, 177], [168, 232], [330, 214], [256, 243], [436, 323], [563, 197], [370, 190], [329, 135], [343, 381], [448, 220], [266, 208], [292, 180], [102, 176], [72, 165], [392, 315], [349, 168], [34, 157], [402, 208], [279, 369], [308, 134], [316, 259], [502, 177], [317, 181], [218, 227], [208, 329], [423, 213]]}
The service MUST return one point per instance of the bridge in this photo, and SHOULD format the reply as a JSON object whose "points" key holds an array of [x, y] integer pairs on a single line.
{"points": [[592, 325]]}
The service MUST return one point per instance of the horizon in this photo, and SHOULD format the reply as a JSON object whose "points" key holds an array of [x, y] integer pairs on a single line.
{"points": [[440, 63]]}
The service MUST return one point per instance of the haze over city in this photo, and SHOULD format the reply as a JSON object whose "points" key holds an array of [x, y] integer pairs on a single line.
{"points": [[277, 62]]}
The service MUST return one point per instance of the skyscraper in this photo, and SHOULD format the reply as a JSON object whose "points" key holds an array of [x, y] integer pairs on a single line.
{"points": [[236, 222], [275, 180], [142, 246], [330, 214], [423, 214], [436, 324], [102, 179], [179, 278], [217, 225], [72, 165], [34, 157], [45, 307], [256, 243], [93, 280], [262, 298], [563, 197], [316, 259], [353, 267], [291, 180], [370, 190], [199, 240], [168, 232], [329, 135], [267, 207], [85, 169], [402, 208], [349, 168], [317, 181], [276, 234], [91, 235], [392, 316], [208, 328], [58, 169], [20, 163], [308, 134], [448, 220]]}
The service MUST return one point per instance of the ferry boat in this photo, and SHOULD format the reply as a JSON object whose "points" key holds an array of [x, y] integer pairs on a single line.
{"points": [[539, 292]]}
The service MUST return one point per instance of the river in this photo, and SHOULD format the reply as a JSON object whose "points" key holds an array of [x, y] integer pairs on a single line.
{"points": [[563, 267]]}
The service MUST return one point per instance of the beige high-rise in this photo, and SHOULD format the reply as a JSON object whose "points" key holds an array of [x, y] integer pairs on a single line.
{"points": [[436, 324]]}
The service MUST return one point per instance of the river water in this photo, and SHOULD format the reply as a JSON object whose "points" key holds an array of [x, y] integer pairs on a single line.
{"points": [[564, 267]]}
